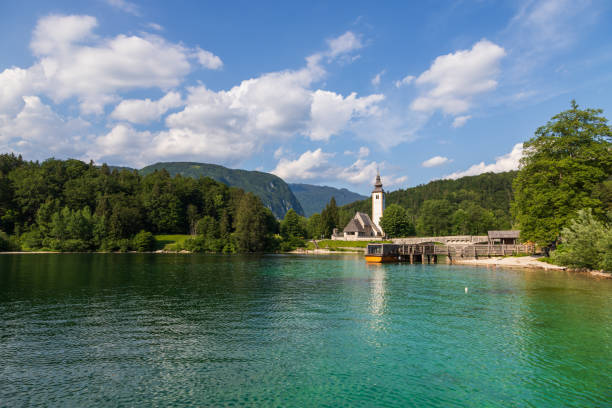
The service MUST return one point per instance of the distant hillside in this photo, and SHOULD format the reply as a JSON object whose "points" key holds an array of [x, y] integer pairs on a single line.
{"points": [[272, 190], [314, 198], [489, 192]]}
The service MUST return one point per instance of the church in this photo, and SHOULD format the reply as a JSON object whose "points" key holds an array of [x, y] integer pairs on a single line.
{"points": [[361, 226]]}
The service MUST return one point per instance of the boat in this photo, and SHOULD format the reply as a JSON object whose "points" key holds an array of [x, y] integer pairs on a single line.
{"points": [[379, 253]]}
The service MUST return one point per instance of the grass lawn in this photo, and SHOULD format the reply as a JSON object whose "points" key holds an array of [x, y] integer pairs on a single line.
{"points": [[331, 244], [171, 242]]}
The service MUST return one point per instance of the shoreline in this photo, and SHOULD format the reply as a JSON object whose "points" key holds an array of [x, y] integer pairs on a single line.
{"points": [[527, 262], [510, 261]]}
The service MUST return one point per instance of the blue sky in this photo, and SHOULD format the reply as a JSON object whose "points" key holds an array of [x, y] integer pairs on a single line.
{"points": [[315, 92]]}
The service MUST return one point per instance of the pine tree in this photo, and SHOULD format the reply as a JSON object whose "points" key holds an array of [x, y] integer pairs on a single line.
{"points": [[329, 218]]}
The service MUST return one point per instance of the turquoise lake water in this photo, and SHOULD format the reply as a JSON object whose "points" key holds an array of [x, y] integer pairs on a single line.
{"points": [[190, 330]]}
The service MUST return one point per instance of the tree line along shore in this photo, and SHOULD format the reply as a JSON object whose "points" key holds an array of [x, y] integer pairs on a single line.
{"points": [[561, 197]]}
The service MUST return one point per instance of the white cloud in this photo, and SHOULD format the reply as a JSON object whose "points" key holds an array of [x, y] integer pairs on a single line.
{"points": [[155, 26], [120, 142], [15, 83], [310, 165], [74, 62], [461, 120], [124, 5], [280, 152], [503, 163], [56, 34], [453, 80], [363, 152], [146, 111], [209, 60], [317, 165], [343, 44], [330, 112], [376, 80], [543, 26], [39, 132], [394, 181], [359, 172], [435, 161], [407, 80]]}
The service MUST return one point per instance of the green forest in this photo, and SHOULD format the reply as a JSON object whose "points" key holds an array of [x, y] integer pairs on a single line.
{"points": [[69, 205]]}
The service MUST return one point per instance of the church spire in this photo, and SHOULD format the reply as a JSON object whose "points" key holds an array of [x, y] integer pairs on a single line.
{"points": [[378, 184]]}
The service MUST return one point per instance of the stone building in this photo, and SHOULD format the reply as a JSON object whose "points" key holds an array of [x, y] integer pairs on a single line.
{"points": [[361, 226]]}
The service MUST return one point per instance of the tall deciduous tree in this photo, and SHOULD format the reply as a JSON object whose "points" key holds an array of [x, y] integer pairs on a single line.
{"points": [[561, 172], [395, 222]]}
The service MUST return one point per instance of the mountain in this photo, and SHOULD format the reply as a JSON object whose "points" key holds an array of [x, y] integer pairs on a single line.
{"points": [[272, 190], [314, 198]]}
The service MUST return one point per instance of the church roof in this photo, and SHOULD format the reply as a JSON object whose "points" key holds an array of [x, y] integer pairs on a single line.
{"points": [[353, 226], [362, 222]]}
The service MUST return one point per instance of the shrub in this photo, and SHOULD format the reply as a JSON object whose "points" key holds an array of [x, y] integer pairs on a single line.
{"points": [[586, 243], [197, 244], [229, 248], [124, 245], [74, 245], [4, 242], [144, 241], [31, 240], [291, 244], [52, 243]]}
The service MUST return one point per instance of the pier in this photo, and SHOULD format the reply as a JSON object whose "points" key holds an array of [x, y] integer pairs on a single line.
{"points": [[430, 251]]}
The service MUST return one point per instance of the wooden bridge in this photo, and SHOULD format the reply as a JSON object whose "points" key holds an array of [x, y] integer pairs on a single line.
{"points": [[429, 252]]}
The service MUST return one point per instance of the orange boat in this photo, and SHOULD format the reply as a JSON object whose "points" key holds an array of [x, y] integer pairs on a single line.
{"points": [[380, 259], [379, 253]]}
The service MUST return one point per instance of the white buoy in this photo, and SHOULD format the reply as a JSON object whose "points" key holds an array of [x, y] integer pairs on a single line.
{"points": [[466, 289]]}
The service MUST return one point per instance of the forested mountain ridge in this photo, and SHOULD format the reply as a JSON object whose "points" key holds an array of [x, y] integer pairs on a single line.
{"points": [[272, 190], [314, 198], [69, 205], [469, 205]]}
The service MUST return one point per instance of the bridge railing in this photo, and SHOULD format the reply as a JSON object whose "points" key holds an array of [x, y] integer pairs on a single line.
{"points": [[473, 251]]}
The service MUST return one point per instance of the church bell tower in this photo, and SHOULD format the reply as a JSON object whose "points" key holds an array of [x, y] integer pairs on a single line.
{"points": [[378, 201]]}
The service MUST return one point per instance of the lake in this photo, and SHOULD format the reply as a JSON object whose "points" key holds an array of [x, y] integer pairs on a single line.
{"points": [[281, 330]]}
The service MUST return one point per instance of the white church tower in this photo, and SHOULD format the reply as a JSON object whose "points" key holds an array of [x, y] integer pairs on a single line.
{"points": [[378, 201]]}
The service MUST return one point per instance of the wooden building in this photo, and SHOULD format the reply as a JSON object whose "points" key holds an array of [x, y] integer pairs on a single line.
{"points": [[509, 237]]}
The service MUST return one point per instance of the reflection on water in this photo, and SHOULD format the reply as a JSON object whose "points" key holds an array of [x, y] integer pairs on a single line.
{"points": [[377, 298], [127, 329]]}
